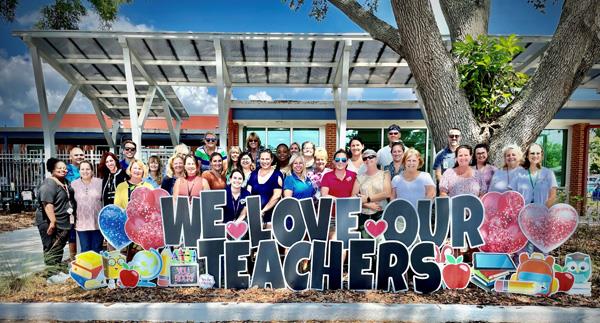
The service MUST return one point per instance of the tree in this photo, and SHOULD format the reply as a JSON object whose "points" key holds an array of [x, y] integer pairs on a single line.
{"points": [[66, 14], [572, 51]]}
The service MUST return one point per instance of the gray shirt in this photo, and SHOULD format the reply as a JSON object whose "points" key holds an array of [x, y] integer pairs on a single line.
{"points": [[412, 190], [384, 156], [504, 180], [50, 192]]}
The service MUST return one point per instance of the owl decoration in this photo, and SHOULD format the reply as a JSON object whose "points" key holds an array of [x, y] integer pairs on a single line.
{"points": [[580, 266]]}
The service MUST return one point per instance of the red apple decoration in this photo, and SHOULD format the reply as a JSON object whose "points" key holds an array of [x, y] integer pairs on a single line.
{"points": [[456, 274], [129, 278], [565, 279]]}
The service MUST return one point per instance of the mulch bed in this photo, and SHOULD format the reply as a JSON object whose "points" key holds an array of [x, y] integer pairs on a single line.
{"points": [[16, 221], [35, 289]]}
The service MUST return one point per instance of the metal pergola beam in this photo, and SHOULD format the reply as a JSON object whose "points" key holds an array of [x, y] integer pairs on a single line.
{"points": [[40, 86], [105, 130], [136, 131], [340, 95], [64, 106], [222, 88], [146, 106]]}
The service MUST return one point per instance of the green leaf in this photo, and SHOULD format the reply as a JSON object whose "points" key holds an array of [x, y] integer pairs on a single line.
{"points": [[450, 259], [459, 259]]}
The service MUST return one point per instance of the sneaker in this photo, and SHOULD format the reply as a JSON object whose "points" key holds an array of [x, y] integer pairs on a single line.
{"points": [[59, 278]]}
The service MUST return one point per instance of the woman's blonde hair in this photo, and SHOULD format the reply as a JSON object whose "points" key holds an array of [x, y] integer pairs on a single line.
{"points": [[140, 164], [170, 169], [320, 152], [291, 164], [412, 152], [517, 150]]}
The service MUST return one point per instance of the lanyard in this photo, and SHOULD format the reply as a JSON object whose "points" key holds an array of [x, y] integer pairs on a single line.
{"points": [[189, 189], [531, 181]]}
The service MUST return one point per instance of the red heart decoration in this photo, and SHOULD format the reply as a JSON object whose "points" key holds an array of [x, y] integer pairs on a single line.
{"points": [[236, 229], [500, 229], [375, 229], [144, 219], [547, 228]]}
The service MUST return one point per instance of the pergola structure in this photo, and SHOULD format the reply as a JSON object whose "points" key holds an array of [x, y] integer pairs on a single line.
{"points": [[132, 74]]}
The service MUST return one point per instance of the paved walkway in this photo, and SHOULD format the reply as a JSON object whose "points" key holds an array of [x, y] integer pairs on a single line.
{"points": [[21, 252], [291, 312]]}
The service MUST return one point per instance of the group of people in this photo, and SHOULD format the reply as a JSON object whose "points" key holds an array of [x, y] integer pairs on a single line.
{"points": [[72, 196]]}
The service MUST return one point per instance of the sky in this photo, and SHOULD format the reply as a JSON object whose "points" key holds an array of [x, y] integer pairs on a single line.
{"points": [[17, 88]]}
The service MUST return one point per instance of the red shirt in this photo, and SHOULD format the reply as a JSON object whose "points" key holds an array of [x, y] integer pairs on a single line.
{"points": [[337, 187]]}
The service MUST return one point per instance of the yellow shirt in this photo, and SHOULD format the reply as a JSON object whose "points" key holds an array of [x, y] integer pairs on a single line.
{"points": [[124, 190]]}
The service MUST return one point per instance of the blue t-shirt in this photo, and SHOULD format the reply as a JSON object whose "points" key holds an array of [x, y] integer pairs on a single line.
{"points": [[535, 189], [265, 190], [234, 207], [301, 189], [124, 164], [444, 159], [72, 173]]}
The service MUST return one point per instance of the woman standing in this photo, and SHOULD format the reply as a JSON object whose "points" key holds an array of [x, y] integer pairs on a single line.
{"points": [[55, 214], [356, 163], [215, 176], [175, 170], [462, 179], [137, 171], [253, 147], [267, 183], [537, 184], [396, 166], [191, 184], [294, 148], [283, 159], [112, 175], [481, 164], [235, 207], [374, 188], [88, 195], [232, 160], [246, 165], [155, 173], [320, 170], [308, 151], [503, 179], [298, 184], [412, 184]]}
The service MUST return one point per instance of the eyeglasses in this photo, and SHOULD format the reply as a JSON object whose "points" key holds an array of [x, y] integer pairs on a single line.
{"points": [[369, 157], [341, 160], [393, 133], [453, 136], [211, 139], [252, 140], [129, 149]]}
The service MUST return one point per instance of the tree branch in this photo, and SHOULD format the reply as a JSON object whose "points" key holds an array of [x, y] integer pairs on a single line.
{"points": [[377, 28], [466, 17]]}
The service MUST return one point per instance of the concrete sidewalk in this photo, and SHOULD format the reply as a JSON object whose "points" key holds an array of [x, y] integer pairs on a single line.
{"points": [[21, 252], [428, 313]]}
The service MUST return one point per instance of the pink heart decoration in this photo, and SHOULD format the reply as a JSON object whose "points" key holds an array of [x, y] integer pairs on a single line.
{"points": [[144, 219], [375, 229], [236, 230], [547, 228], [500, 229]]}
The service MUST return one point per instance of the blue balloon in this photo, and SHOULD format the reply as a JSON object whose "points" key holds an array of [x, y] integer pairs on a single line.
{"points": [[112, 225]]}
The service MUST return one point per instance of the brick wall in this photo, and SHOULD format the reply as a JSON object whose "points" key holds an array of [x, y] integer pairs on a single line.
{"points": [[330, 140], [578, 165], [232, 131]]}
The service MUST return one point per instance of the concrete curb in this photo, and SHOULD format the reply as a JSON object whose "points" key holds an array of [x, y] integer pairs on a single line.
{"points": [[293, 311]]}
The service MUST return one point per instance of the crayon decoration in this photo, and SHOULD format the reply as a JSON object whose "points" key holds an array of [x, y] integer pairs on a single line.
{"points": [[163, 276]]}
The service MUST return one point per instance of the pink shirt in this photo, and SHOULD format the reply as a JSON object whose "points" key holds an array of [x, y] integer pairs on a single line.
{"points": [[190, 187], [89, 203], [453, 184]]}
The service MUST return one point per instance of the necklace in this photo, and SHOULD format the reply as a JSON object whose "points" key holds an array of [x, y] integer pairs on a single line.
{"points": [[187, 184], [86, 185]]}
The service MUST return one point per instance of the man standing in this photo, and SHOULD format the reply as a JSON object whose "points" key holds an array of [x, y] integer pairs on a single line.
{"points": [[445, 157], [76, 156], [210, 146], [384, 155], [129, 149]]}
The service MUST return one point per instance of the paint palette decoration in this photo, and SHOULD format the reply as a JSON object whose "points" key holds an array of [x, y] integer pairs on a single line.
{"points": [[111, 220], [547, 228], [500, 229], [144, 220]]}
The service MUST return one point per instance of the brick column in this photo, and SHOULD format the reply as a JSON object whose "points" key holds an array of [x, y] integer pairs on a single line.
{"points": [[232, 131], [578, 165], [330, 141]]}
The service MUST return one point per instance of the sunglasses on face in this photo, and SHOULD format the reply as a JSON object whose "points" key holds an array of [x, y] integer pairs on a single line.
{"points": [[211, 139], [369, 157], [252, 140], [129, 149], [340, 160], [394, 133], [453, 136]]}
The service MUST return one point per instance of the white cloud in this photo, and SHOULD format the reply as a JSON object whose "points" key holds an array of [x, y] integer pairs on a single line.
{"points": [[91, 21], [260, 96], [405, 94], [29, 19], [355, 93], [18, 93], [196, 100]]}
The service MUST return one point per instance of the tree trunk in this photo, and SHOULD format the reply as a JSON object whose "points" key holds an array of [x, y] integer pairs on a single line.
{"points": [[467, 17]]}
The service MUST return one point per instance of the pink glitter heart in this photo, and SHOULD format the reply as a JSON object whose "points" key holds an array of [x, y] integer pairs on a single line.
{"points": [[547, 228], [500, 229], [144, 220], [375, 229]]}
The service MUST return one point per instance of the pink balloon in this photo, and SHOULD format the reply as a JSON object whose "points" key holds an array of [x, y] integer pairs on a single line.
{"points": [[547, 228], [144, 220], [500, 229]]}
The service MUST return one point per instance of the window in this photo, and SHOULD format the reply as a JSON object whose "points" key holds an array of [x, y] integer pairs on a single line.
{"points": [[276, 136], [301, 135], [260, 132], [271, 137], [554, 143], [370, 137]]}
